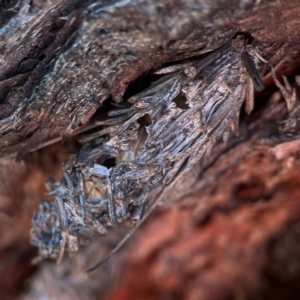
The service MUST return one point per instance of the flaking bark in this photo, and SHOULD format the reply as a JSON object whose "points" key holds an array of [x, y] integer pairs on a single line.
{"points": [[234, 231]]}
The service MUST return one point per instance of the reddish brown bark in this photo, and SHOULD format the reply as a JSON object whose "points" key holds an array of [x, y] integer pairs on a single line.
{"points": [[234, 235]]}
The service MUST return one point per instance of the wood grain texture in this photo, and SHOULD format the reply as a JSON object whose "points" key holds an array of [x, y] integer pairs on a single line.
{"points": [[61, 59], [230, 231]]}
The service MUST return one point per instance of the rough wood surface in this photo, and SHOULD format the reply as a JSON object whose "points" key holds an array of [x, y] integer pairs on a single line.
{"points": [[61, 59], [234, 231]]}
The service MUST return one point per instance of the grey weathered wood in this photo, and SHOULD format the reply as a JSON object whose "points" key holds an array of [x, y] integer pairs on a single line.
{"points": [[61, 59]]}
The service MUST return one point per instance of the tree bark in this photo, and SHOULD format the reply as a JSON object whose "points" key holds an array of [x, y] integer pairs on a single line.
{"points": [[231, 231]]}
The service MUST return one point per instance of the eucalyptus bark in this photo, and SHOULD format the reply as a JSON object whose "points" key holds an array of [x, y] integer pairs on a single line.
{"points": [[234, 231]]}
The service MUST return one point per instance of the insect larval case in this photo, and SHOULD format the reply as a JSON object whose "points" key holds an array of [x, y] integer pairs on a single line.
{"points": [[149, 145]]}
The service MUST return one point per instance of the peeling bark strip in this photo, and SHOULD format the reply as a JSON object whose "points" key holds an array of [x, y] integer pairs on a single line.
{"points": [[154, 143]]}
